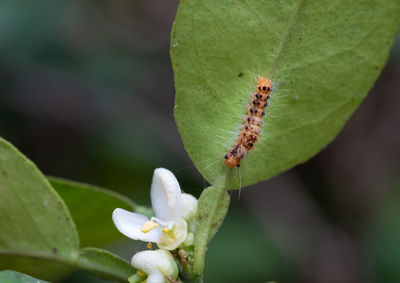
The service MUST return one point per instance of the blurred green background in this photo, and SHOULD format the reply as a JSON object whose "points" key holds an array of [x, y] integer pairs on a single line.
{"points": [[86, 92]]}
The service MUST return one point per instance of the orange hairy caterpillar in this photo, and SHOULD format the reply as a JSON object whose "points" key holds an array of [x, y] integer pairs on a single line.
{"points": [[251, 127]]}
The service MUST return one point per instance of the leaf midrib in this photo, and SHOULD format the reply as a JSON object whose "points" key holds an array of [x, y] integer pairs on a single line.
{"points": [[286, 35]]}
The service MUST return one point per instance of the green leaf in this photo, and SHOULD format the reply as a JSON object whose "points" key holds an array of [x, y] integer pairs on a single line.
{"points": [[9, 276], [91, 208], [38, 235], [212, 207], [322, 57], [105, 264]]}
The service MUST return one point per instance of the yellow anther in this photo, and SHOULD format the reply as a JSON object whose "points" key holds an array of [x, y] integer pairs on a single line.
{"points": [[165, 230], [148, 226], [149, 245]]}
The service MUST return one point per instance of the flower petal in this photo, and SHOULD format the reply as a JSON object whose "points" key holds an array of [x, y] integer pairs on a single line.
{"points": [[189, 206], [166, 195], [130, 224], [156, 264]]}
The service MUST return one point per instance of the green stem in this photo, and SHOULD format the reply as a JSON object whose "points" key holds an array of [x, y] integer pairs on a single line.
{"points": [[212, 208]]}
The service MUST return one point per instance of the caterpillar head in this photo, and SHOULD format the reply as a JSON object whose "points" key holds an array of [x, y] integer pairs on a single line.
{"points": [[232, 160], [264, 85]]}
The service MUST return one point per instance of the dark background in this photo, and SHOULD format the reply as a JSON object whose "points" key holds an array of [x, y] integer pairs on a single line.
{"points": [[86, 92]]}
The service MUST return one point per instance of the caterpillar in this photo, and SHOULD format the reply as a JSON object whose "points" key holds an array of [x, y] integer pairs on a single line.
{"points": [[251, 127]]}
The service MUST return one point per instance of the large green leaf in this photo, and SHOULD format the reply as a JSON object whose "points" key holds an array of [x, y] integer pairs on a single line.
{"points": [[91, 208], [322, 56], [37, 234], [9, 276]]}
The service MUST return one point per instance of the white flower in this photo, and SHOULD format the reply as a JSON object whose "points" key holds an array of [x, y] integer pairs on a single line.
{"points": [[158, 265], [172, 208]]}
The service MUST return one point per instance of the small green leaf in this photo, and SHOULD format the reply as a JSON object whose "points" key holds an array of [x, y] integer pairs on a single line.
{"points": [[212, 207], [322, 56], [91, 208], [105, 264], [9, 276], [38, 235]]}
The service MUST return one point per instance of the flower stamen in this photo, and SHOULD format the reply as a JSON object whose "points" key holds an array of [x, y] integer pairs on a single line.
{"points": [[167, 225], [148, 226]]}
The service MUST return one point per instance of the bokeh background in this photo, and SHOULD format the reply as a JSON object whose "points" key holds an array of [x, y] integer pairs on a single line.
{"points": [[86, 92]]}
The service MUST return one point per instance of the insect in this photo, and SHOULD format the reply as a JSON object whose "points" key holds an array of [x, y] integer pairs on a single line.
{"points": [[251, 127]]}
